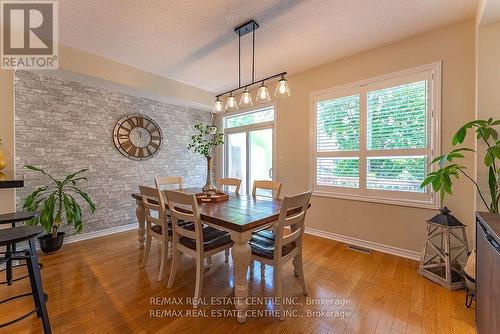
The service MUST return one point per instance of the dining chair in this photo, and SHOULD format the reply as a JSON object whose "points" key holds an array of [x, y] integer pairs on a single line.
{"points": [[274, 186], [156, 225], [283, 247], [230, 182], [195, 240], [167, 182]]}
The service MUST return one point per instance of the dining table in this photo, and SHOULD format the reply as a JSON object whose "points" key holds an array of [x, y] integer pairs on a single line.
{"points": [[240, 215]]}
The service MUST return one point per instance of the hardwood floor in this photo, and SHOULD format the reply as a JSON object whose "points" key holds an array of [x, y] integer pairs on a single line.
{"points": [[96, 286]]}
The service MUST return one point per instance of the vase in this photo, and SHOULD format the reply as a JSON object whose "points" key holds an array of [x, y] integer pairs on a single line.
{"points": [[209, 188]]}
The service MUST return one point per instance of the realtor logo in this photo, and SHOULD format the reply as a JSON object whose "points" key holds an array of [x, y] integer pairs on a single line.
{"points": [[29, 35]]}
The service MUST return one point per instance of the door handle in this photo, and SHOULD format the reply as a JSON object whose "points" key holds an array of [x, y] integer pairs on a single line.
{"points": [[270, 173]]}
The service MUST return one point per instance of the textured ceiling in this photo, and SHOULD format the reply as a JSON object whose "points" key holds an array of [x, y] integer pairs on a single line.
{"points": [[193, 41]]}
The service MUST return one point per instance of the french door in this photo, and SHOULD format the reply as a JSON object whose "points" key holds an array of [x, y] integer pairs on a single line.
{"points": [[249, 154]]}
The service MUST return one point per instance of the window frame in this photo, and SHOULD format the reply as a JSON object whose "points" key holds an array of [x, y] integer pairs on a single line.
{"points": [[427, 199]]}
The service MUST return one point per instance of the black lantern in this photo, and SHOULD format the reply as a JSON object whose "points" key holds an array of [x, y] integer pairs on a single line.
{"points": [[445, 250]]}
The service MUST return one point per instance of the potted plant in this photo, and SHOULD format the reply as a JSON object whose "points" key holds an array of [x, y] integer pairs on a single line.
{"points": [[441, 179], [204, 142], [56, 203]]}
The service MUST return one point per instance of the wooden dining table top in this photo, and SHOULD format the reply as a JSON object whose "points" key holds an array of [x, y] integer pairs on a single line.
{"points": [[240, 213]]}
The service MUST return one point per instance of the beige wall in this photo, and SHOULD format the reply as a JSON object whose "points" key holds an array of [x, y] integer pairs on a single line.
{"points": [[7, 196], [488, 89], [395, 226]]}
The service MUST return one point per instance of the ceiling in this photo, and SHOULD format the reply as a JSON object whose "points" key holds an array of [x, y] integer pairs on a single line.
{"points": [[192, 41]]}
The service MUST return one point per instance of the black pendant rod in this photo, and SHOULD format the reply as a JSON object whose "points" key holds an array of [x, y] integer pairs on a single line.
{"points": [[252, 83], [253, 56], [239, 60], [242, 30]]}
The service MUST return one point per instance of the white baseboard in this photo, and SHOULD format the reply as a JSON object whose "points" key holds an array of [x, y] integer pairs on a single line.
{"points": [[101, 233], [364, 243], [328, 235]]}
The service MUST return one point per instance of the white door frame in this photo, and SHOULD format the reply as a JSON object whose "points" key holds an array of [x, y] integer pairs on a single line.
{"points": [[247, 129]]}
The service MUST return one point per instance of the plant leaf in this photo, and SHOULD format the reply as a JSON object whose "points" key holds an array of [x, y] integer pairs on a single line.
{"points": [[459, 137], [71, 176], [86, 197]]}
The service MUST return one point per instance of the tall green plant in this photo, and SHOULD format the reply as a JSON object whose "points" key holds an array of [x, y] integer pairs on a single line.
{"points": [[441, 179], [206, 139], [56, 202]]}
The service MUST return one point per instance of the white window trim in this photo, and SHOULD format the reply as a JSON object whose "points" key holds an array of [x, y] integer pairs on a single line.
{"points": [[428, 200]]}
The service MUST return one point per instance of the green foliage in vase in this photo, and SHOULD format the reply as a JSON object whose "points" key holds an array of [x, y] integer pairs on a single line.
{"points": [[56, 202], [441, 179], [207, 137]]}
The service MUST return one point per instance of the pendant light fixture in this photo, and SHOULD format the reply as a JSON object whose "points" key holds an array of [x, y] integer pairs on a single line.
{"points": [[218, 106], [262, 96], [231, 104], [282, 89], [246, 99]]}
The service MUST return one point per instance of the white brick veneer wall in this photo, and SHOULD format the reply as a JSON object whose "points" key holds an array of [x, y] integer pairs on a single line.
{"points": [[63, 126]]}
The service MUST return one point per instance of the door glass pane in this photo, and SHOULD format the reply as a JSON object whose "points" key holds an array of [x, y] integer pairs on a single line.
{"points": [[236, 158], [261, 157]]}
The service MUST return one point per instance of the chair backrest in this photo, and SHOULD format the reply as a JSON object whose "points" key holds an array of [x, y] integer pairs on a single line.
{"points": [[163, 181], [232, 182], [167, 182], [300, 203], [184, 207], [152, 204], [275, 186]]}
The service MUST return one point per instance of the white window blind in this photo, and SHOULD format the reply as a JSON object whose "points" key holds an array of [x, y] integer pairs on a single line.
{"points": [[373, 140], [338, 124]]}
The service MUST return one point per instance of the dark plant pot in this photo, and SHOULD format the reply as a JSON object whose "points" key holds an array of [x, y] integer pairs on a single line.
{"points": [[50, 245]]}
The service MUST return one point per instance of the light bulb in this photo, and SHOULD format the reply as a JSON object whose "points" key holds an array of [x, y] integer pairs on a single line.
{"points": [[282, 88], [263, 94], [218, 106], [246, 99], [231, 103]]}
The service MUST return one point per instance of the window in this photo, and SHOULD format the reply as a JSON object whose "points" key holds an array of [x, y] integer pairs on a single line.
{"points": [[373, 140], [249, 118]]}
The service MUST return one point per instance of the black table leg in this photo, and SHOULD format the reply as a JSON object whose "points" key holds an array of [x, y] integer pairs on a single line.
{"points": [[8, 265]]}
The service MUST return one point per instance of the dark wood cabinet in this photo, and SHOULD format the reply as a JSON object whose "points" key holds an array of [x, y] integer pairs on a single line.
{"points": [[488, 273]]}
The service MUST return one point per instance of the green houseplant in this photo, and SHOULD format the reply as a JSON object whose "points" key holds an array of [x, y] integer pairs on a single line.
{"points": [[203, 142], [56, 203], [449, 168]]}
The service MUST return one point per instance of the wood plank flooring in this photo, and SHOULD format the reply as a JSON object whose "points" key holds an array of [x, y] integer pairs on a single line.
{"points": [[96, 286]]}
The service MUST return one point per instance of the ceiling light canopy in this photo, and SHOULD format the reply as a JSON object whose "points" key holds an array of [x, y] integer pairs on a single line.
{"points": [[282, 89]]}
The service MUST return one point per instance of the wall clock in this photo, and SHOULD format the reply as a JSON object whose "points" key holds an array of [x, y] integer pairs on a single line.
{"points": [[137, 137]]}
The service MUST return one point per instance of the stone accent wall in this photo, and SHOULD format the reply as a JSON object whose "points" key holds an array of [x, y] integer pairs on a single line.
{"points": [[63, 126]]}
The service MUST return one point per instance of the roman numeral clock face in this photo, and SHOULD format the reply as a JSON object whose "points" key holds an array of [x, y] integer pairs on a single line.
{"points": [[137, 137]]}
